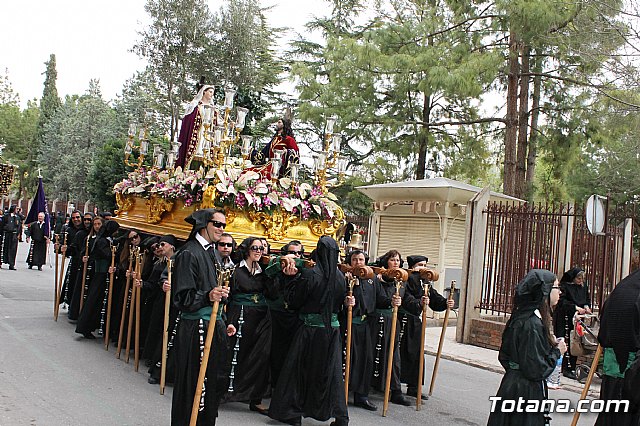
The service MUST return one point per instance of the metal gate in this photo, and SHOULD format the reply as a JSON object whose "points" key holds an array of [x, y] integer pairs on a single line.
{"points": [[520, 238]]}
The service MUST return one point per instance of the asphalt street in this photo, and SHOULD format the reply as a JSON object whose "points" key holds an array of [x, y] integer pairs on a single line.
{"points": [[51, 376]]}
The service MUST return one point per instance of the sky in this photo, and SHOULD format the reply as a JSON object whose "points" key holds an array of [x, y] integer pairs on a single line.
{"points": [[92, 38]]}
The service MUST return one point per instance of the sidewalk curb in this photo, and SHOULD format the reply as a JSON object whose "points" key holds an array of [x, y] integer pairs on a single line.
{"points": [[494, 369]]}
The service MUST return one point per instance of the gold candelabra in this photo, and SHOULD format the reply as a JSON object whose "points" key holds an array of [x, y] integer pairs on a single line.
{"points": [[329, 157], [141, 144], [221, 132]]}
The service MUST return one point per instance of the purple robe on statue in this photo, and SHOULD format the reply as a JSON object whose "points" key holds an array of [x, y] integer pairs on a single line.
{"points": [[188, 137]]}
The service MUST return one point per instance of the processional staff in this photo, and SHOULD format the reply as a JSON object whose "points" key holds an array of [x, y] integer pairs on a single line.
{"points": [[126, 298], [394, 318], [165, 332], [426, 288], [441, 343], [351, 283], [55, 282], [60, 278], [109, 297], [587, 385], [85, 259], [132, 303], [138, 288], [223, 281]]}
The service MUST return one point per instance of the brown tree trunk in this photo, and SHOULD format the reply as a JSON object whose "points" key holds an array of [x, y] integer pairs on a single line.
{"points": [[533, 135], [523, 115], [511, 133], [423, 139]]}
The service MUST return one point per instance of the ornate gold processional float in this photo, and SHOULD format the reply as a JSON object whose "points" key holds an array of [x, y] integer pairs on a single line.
{"points": [[157, 198]]}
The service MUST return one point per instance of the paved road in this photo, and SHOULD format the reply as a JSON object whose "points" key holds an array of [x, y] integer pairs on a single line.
{"points": [[50, 376]]}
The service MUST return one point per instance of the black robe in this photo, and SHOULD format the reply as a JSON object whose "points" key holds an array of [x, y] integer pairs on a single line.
{"points": [[526, 353], [368, 294], [80, 240], [249, 347], [619, 335], [12, 227], [284, 324], [93, 313], [71, 266], [381, 335], [194, 278], [410, 330], [38, 249], [311, 383], [572, 295]]}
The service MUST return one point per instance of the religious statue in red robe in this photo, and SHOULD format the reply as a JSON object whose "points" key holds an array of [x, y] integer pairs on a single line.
{"points": [[282, 145]]}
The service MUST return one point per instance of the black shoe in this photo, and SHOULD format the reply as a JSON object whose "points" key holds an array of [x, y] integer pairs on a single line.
{"points": [[153, 381], [339, 422], [89, 336], [570, 375], [366, 404], [414, 393], [12, 268], [39, 268], [398, 398], [259, 409], [30, 266]]}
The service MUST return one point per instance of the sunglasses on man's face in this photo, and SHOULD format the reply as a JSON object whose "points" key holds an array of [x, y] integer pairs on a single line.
{"points": [[76, 218], [230, 245], [217, 224], [134, 237], [256, 248], [299, 252], [87, 219]]}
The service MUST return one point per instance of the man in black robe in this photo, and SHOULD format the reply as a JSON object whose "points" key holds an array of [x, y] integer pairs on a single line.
{"points": [[36, 235], [411, 325], [311, 383], [10, 236], [194, 290], [620, 338], [368, 295]]}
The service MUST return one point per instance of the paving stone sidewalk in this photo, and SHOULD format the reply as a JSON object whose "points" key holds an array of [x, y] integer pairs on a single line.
{"points": [[486, 359]]}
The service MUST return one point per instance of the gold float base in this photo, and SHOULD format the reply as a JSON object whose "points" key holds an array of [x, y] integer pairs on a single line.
{"points": [[159, 217]]}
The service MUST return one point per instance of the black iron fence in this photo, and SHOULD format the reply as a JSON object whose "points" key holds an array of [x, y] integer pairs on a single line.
{"points": [[523, 237]]}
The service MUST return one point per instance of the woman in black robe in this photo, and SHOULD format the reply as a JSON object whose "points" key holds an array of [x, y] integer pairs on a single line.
{"points": [[411, 327], [164, 250], [619, 336], [69, 250], [75, 290], [311, 383], [528, 352], [92, 314], [574, 298], [126, 243], [381, 330], [247, 311]]}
